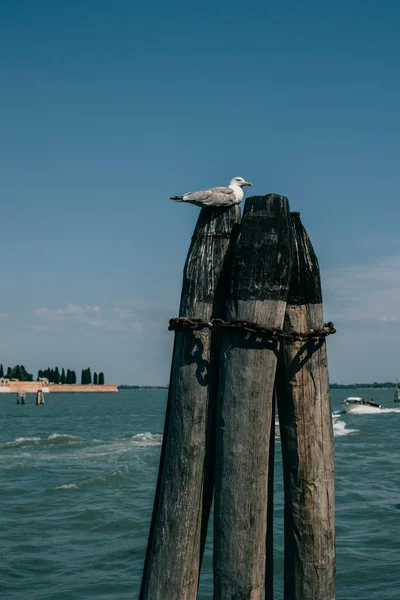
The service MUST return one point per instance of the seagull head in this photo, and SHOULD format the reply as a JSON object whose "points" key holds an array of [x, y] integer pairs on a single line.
{"points": [[239, 182]]}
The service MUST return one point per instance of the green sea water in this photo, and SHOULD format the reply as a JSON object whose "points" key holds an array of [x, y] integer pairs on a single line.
{"points": [[77, 484]]}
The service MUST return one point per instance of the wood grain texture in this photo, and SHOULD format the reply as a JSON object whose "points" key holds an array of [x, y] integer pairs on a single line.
{"points": [[186, 473], [260, 282], [306, 436]]}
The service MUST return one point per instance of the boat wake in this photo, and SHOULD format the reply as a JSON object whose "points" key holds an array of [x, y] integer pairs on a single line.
{"points": [[366, 410], [340, 427]]}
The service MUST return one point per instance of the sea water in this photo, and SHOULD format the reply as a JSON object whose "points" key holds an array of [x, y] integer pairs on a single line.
{"points": [[77, 485]]}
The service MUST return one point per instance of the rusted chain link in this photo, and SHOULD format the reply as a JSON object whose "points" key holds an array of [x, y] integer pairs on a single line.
{"points": [[183, 324]]}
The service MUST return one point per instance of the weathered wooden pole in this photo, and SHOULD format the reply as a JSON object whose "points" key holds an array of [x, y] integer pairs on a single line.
{"points": [[306, 435], [260, 282], [186, 474], [269, 562]]}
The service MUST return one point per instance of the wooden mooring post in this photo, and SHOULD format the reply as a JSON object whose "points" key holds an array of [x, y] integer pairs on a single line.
{"points": [[186, 473], [260, 282], [305, 420], [219, 426]]}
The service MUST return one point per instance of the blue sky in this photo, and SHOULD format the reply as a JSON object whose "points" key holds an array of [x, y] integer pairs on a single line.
{"points": [[108, 108]]}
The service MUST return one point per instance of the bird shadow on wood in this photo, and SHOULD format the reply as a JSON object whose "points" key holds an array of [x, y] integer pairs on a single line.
{"points": [[196, 356]]}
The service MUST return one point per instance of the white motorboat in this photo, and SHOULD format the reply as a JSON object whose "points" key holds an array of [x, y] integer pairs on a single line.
{"points": [[357, 405]]}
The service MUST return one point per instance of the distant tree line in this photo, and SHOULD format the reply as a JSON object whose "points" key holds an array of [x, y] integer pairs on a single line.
{"points": [[86, 378], [17, 372], [53, 375]]}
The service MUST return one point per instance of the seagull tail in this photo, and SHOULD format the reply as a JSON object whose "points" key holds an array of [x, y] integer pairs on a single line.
{"points": [[177, 198]]}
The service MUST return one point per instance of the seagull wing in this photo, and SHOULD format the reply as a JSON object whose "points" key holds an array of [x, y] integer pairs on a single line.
{"points": [[216, 196]]}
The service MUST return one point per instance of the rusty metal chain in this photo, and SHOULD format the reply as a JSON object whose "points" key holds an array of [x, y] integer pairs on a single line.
{"points": [[184, 324]]}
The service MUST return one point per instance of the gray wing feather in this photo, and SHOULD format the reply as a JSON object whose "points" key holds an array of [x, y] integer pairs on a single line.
{"points": [[217, 196]]}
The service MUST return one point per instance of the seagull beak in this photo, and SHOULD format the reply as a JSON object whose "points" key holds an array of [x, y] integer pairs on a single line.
{"points": [[247, 183]]}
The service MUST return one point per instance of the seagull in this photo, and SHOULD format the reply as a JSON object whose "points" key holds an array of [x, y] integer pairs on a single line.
{"points": [[216, 196]]}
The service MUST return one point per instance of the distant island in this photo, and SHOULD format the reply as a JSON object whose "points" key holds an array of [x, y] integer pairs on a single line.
{"points": [[52, 375], [353, 386], [142, 387], [17, 380]]}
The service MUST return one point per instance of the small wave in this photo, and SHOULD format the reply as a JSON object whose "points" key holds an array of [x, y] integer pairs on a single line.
{"points": [[67, 486], [147, 439], [21, 441], [53, 438], [104, 479], [339, 428], [97, 449], [62, 437]]}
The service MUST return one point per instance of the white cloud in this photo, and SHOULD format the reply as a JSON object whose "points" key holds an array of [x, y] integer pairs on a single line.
{"points": [[366, 293], [70, 309], [363, 302]]}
